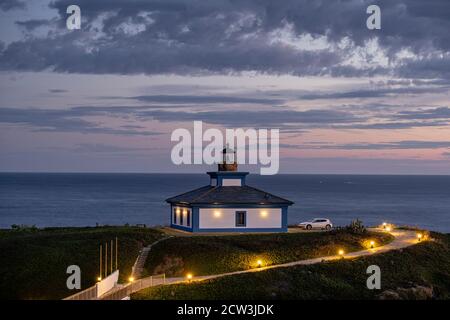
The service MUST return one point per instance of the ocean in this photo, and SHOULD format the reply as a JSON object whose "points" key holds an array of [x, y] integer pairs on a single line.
{"points": [[85, 199]]}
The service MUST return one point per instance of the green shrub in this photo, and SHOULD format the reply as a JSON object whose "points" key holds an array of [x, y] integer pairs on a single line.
{"points": [[34, 263], [203, 255], [422, 265]]}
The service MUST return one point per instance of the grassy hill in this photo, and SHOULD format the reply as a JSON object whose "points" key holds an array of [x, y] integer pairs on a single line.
{"points": [[34, 261], [203, 255], [417, 272]]}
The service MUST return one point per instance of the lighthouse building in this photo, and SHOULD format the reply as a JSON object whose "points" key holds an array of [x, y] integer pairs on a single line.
{"points": [[228, 204]]}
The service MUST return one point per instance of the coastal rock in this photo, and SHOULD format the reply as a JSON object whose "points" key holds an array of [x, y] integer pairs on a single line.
{"points": [[413, 293]]}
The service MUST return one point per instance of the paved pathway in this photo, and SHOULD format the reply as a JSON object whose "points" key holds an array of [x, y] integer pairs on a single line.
{"points": [[138, 266], [403, 239]]}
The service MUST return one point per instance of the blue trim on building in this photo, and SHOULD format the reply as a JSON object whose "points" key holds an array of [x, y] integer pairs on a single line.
{"points": [[284, 218], [220, 175], [184, 228], [195, 219], [238, 229], [237, 205]]}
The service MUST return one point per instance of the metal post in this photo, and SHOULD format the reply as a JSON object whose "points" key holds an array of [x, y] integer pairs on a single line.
{"points": [[101, 258], [117, 246], [106, 259], [111, 256]]}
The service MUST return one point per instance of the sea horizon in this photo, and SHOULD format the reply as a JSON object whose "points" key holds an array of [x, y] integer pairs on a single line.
{"points": [[75, 199], [251, 172]]}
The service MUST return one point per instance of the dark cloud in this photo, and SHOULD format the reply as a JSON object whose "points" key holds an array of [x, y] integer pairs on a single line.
{"points": [[106, 148], [184, 99], [57, 91], [376, 93], [49, 120], [33, 24], [407, 144], [6, 5], [265, 119], [76, 119], [433, 113], [225, 36], [392, 125]]}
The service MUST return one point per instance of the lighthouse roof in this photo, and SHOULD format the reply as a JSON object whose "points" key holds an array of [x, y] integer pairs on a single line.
{"points": [[218, 195]]}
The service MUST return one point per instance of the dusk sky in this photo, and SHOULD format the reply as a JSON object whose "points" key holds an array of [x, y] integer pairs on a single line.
{"points": [[107, 97]]}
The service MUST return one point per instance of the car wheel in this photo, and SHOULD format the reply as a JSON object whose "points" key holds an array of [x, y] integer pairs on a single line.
{"points": [[308, 227], [327, 227]]}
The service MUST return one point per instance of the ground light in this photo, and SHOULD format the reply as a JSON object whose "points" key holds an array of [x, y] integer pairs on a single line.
{"points": [[99, 278], [372, 244], [384, 225], [388, 229], [341, 253], [419, 237], [131, 279], [259, 263], [189, 277]]}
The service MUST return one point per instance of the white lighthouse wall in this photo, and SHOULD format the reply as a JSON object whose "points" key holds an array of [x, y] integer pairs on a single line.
{"points": [[227, 218]]}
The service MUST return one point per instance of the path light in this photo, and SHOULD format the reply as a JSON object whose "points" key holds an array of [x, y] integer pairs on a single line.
{"points": [[341, 252], [99, 278], [372, 244], [189, 277], [419, 237], [384, 225], [388, 229], [259, 263], [130, 279]]}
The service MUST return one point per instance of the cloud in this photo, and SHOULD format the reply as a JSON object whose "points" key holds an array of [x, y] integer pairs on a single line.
{"points": [[376, 93], [49, 120], [57, 91], [184, 99], [406, 144], [33, 24], [433, 113], [7, 5], [265, 119], [198, 37], [106, 148], [392, 125]]}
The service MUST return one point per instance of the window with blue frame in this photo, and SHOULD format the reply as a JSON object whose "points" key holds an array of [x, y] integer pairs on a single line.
{"points": [[241, 218], [188, 218]]}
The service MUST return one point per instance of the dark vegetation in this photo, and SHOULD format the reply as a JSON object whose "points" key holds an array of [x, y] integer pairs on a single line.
{"points": [[203, 255], [418, 272], [34, 261]]}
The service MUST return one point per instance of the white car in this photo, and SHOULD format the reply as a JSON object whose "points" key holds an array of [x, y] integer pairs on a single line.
{"points": [[317, 223]]}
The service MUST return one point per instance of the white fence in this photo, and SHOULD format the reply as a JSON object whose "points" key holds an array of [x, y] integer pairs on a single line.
{"points": [[135, 286], [97, 290]]}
